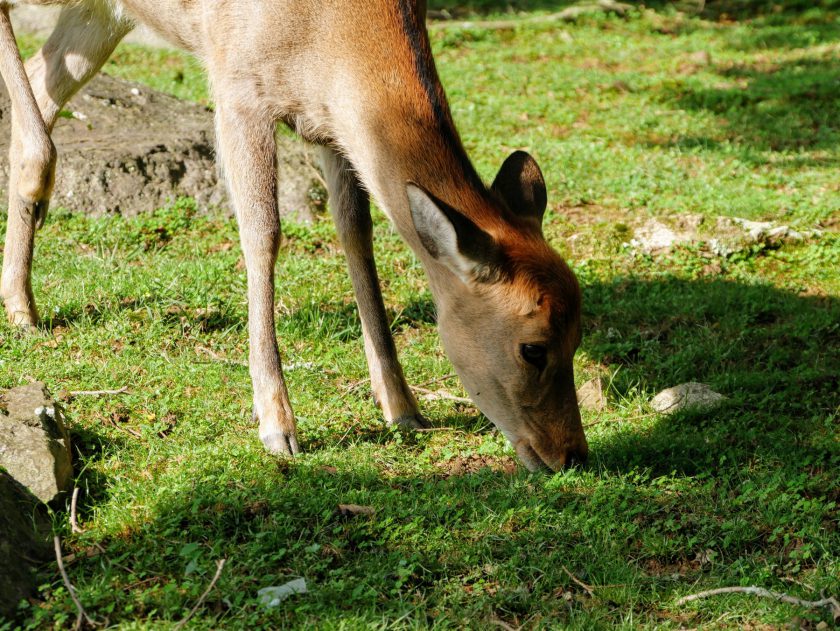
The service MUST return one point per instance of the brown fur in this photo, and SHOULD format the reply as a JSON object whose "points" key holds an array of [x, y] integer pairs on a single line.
{"points": [[358, 78]]}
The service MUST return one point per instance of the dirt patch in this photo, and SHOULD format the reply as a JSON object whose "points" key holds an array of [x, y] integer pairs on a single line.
{"points": [[124, 148], [466, 465]]}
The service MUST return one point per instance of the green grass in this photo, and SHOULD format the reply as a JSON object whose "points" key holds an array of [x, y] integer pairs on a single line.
{"points": [[627, 123]]}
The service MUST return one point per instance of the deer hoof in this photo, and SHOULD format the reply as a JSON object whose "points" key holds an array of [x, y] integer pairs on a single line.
{"points": [[279, 444], [411, 421], [21, 314]]}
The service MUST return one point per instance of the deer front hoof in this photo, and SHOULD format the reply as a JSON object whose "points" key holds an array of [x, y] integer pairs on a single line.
{"points": [[411, 421], [21, 313], [281, 444]]}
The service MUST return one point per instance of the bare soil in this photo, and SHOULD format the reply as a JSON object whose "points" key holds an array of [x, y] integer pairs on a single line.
{"points": [[124, 148]]}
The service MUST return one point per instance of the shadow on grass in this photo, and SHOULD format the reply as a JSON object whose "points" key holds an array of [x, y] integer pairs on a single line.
{"points": [[799, 11], [459, 8], [752, 481], [206, 319], [781, 105], [787, 106], [766, 349]]}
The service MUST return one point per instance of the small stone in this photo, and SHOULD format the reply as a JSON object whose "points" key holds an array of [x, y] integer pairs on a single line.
{"points": [[590, 396], [353, 510], [34, 444], [701, 58], [271, 597], [654, 237], [692, 395]]}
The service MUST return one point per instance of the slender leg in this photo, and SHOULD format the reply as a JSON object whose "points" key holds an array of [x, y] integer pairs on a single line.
{"points": [[350, 208], [247, 150], [83, 39]]}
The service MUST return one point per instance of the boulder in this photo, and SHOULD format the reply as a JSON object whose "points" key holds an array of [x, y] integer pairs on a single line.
{"points": [[125, 148], [34, 443], [24, 542], [691, 395]]}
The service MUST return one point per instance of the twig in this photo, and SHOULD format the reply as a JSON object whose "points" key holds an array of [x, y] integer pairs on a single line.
{"points": [[216, 357], [98, 393], [504, 625], [440, 429], [219, 565], [589, 589], [127, 430], [436, 380], [82, 613], [440, 394], [766, 593], [74, 526]]}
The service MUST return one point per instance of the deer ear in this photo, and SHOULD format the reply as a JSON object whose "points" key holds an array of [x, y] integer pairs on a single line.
{"points": [[521, 186], [452, 239]]}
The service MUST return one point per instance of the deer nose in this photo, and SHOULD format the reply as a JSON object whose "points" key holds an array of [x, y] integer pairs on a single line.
{"points": [[577, 458], [569, 457]]}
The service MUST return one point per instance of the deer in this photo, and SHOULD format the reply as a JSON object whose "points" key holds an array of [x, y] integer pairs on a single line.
{"points": [[357, 79]]}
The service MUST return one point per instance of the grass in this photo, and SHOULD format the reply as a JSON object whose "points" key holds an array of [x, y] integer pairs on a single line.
{"points": [[629, 122]]}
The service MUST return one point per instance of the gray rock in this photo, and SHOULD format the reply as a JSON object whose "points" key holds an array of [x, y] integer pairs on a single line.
{"points": [[691, 395], [34, 444], [125, 148], [591, 395], [23, 543], [40, 21]]}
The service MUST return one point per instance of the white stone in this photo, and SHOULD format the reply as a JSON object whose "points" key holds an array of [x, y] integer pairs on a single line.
{"points": [[691, 395]]}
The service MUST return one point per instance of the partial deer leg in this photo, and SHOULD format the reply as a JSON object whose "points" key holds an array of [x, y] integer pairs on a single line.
{"points": [[247, 150], [81, 42], [350, 209]]}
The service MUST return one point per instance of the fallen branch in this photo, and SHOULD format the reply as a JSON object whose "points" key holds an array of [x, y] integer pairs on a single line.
{"points": [[74, 526], [766, 593], [82, 613], [98, 393], [589, 589], [219, 565]]}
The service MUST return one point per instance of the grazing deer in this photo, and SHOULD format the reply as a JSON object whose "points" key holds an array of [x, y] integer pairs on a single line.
{"points": [[357, 78]]}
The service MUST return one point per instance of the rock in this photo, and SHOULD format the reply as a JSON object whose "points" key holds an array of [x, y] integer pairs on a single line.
{"points": [[34, 444], [590, 396], [353, 510], [40, 21], [125, 148], [271, 597], [23, 543], [724, 236], [701, 58], [656, 237], [692, 395]]}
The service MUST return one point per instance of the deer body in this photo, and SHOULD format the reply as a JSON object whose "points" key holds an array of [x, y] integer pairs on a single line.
{"points": [[357, 78]]}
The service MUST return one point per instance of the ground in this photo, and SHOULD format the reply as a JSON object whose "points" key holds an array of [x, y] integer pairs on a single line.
{"points": [[656, 114]]}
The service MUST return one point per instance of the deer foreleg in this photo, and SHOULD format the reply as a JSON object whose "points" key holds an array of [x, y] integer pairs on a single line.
{"points": [[81, 42], [350, 209], [247, 151], [32, 162]]}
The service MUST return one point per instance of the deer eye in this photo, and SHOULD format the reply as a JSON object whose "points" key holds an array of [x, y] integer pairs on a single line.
{"points": [[534, 354]]}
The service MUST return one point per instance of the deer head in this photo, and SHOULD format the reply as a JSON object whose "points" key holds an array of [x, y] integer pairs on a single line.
{"points": [[508, 313]]}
